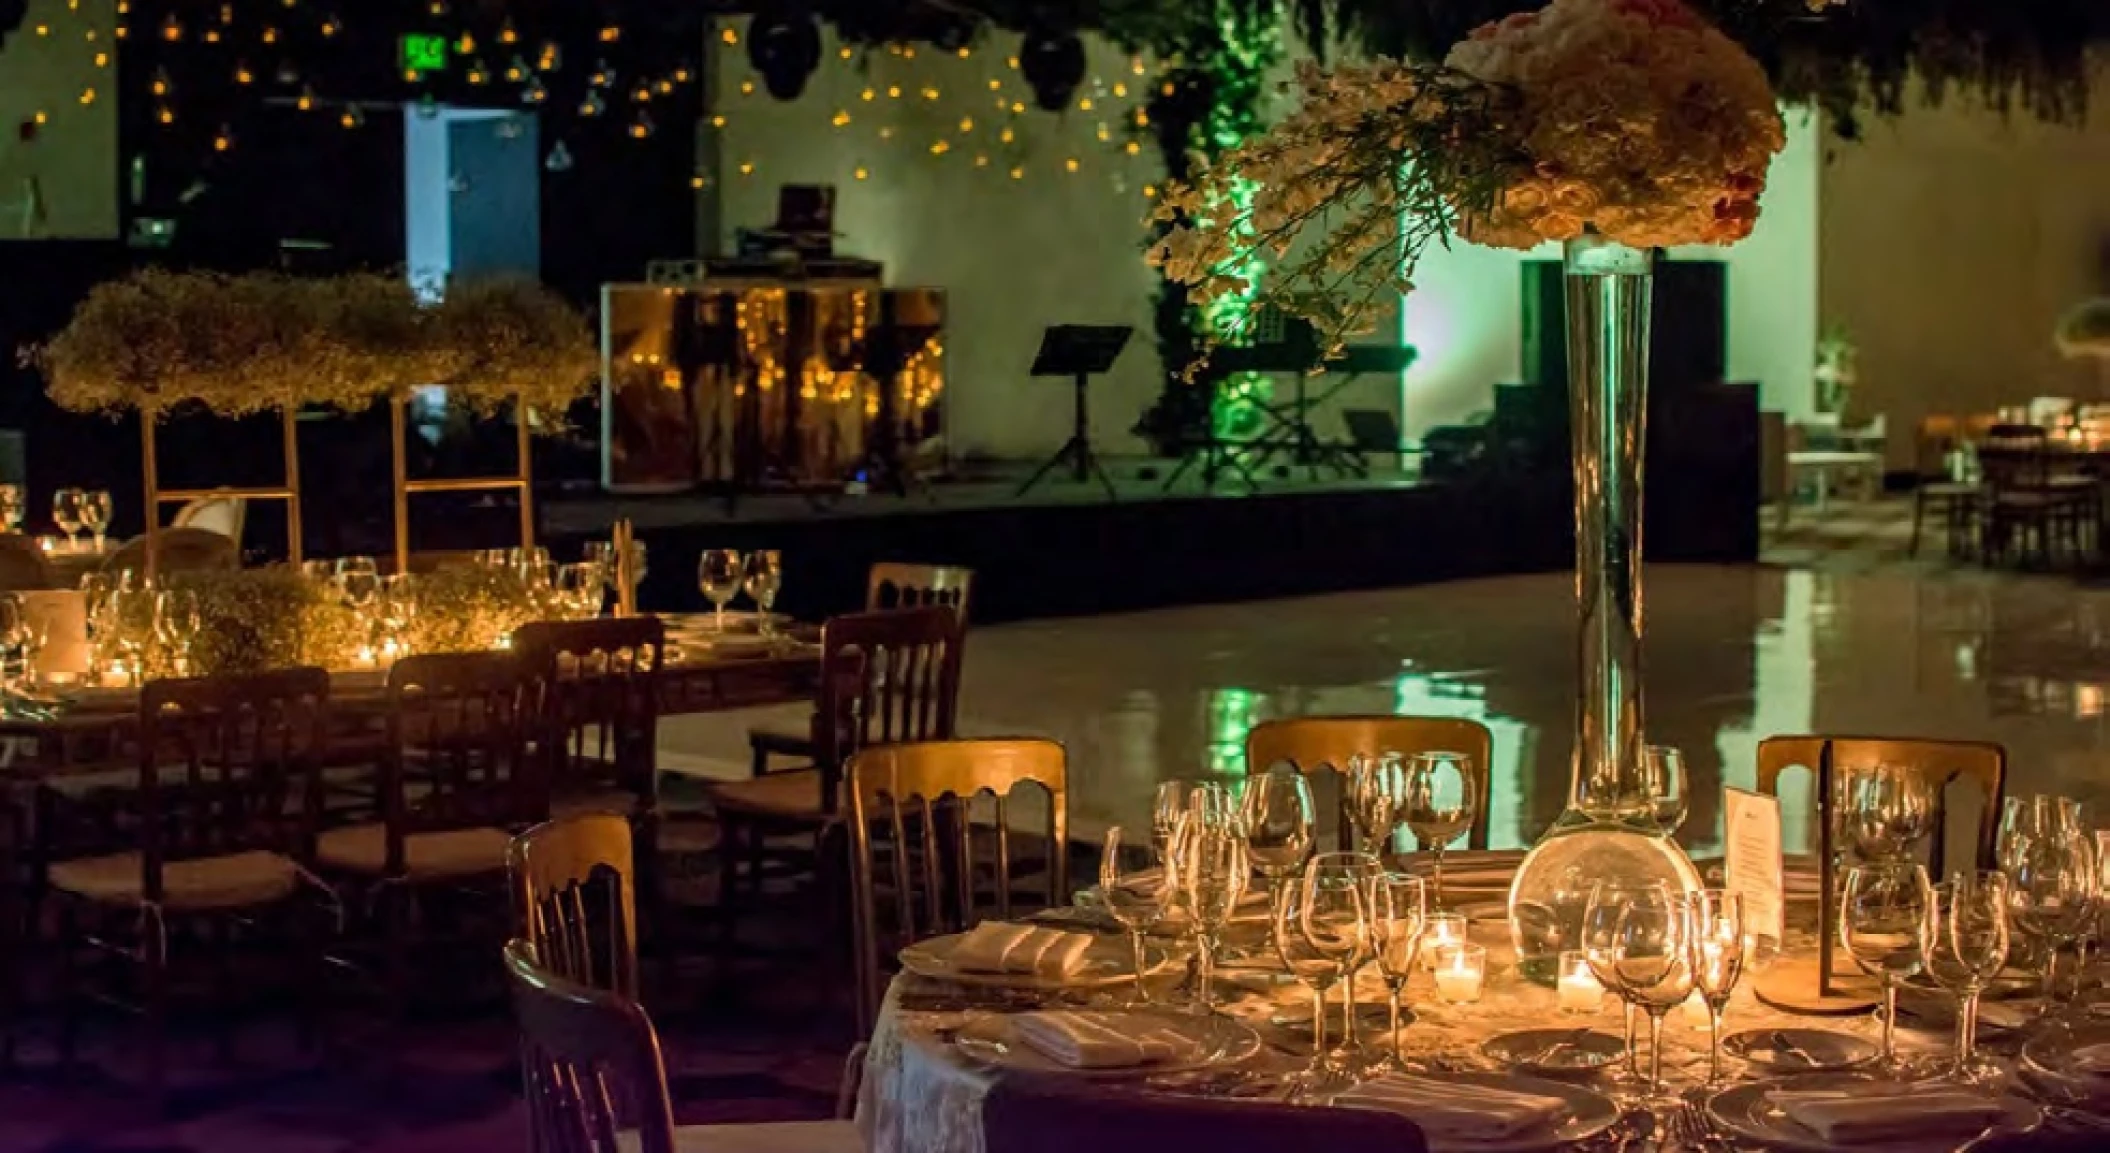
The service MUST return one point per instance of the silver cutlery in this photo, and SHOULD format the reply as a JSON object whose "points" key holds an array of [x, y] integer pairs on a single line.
{"points": [[1690, 1126], [1565, 1041], [1785, 1047], [1638, 1131]]}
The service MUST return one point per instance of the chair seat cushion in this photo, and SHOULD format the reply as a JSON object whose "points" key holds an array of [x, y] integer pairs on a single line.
{"points": [[794, 794], [775, 1137], [454, 853], [233, 881]]}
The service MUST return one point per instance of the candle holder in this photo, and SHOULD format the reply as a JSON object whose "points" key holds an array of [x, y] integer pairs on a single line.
{"points": [[1461, 972], [1580, 991], [1443, 931]]}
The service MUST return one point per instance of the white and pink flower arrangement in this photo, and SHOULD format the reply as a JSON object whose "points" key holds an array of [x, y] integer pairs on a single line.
{"points": [[1634, 119]]}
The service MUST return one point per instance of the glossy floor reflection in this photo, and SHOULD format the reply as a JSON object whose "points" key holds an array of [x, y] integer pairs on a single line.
{"points": [[1734, 654]]}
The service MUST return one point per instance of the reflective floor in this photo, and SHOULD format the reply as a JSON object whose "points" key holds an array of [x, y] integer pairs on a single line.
{"points": [[1734, 655]]}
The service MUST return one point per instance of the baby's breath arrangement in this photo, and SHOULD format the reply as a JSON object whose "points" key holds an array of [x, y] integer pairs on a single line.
{"points": [[469, 608], [267, 618], [508, 338]]}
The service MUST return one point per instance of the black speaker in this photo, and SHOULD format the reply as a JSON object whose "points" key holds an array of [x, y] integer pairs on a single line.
{"points": [[1689, 337]]}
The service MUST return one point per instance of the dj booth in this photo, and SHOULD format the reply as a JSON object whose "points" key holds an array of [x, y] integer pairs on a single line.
{"points": [[753, 375]]}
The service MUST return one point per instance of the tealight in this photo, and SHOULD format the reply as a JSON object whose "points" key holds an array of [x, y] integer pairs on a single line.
{"points": [[1444, 930], [1579, 989], [1460, 972]]}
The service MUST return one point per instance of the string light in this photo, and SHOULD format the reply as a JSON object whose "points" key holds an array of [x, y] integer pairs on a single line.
{"points": [[966, 123], [353, 117], [331, 27], [44, 117], [862, 173], [1070, 164], [269, 35], [893, 91], [534, 93], [930, 93], [161, 82], [166, 115], [843, 52], [747, 88], [747, 168], [477, 74], [717, 121], [466, 45], [102, 60], [1084, 105], [981, 160], [87, 96], [641, 127], [223, 140], [1018, 174], [171, 29], [1120, 89], [940, 148], [729, 36], [868, 94], [508, 34], [610, 34], [306, 100], [841, 118]]}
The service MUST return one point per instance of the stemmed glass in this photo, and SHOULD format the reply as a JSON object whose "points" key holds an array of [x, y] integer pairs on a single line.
{"points": [[11, 507], [66, 513], [177, 619], [764, 576], [1889, 809], [1314, 931], [2053, 890], [15, 657], [1663, 767], [399, 609], [1171, 803], [1600, 948], [1439, 798], [578, 590], [1965, 944], [1399, 915], [359, 580], [1361, 871], [1717, 943], [1135, 900], [1882, 925], [1276, 811], [96, 511], [1637, 936], [1376, 788], [1211, 868], [718, 575]]}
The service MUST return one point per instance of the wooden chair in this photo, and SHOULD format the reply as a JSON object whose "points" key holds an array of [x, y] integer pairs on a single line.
{"points": [[1323, 745], [574, 899], [599, 695], [22, 565], [595, 1083], [2027, 503], [221, 514], [455, 781], [223, 820], [1815, 987], [182, 550], [1956, 501], [889, 585], [922, 798]]}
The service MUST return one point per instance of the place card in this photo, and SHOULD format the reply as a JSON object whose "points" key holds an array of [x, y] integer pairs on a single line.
{"points": [[1753, 866], [62, 616]]}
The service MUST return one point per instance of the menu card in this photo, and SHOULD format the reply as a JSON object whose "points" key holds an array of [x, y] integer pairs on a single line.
{"points": [[62, 616], [1752, 865]]}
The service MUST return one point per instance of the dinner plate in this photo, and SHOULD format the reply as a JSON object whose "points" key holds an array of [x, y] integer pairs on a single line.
{"points": [[1938, 1010], [992, 1039], [1801, 1050], [1747, 1112], [2009, 985], [1106, 963], [1589, 1113], [736, 621], [2047, 1063], [1555, 1052]]}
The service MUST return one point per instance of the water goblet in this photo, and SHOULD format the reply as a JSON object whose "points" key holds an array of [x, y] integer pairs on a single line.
{"points": [[12, 506], [2052, 894], [1399, 914], [1599, 944], [1276, 812], [1363, 870], [1172, 801], [764, 576], [1663, 767], [1212, 870], [1882, 925], [177, 619], [96, 511], [1309, 928], [66, 514], [1438, 802], [1376, 791], [1965, 945], [718, 575], [1135, 900], [1889, 809], [1718, 945]]}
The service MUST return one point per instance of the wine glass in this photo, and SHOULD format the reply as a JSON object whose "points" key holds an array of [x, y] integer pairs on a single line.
{"points": [[1718, 945], [359, 578], [1965, 945], [11, 507], [1439, 798], [96, 511], [718, 575], [1881, 925], [1399, 915], [1599, 943], [1313, 930], [578, 589], [399, 609], [2052, 891], [1362, 871], [1889, 809], [1276, 811], [1376, 788], [1135, 900], [14, 645], [177, 619], [1171, 804], [764, 576], [1212, 869], [1663, 768], [66, 513]]}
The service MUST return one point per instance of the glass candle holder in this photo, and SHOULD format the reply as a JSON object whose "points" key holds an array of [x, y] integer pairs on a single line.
{"points": [[1444, 930], [1461, 971], [1579, 989]]}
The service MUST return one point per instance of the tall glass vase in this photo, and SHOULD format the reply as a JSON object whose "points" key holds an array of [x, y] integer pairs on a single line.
{"points": [[1608, 831]]}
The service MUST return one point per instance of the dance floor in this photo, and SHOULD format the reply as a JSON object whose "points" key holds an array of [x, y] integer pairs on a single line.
{"points": [[1735, 654]]}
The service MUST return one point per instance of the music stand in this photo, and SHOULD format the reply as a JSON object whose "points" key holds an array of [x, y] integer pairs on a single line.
{"points": [[1078, 351]]}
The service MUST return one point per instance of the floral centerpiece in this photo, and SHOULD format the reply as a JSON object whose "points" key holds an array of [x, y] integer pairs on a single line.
{"points": [[1612, 126], [250, 620]]}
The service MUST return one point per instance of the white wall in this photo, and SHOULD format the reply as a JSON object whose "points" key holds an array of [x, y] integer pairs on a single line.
{"points": [[71, 160]]}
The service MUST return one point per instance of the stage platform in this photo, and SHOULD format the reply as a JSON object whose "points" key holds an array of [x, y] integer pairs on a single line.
{"points": [[1069, 548]]}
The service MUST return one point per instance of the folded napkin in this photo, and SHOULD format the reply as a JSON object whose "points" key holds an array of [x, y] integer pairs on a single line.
{"points": [[1453, 1110], [1002, 947], [1859, 1117], [1097, 1040], [2093, 1060]]}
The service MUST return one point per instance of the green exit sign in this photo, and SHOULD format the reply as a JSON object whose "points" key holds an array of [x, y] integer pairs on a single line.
{"points": [[421, 53]]}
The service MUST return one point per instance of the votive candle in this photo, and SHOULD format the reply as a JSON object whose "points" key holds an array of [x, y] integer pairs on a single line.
{"points": [[1580, 991], [1460, 972], [1444, 930]]}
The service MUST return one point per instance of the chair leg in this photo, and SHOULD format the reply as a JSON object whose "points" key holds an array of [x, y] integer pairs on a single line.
{"points": [[153, 1001], [223, 992], [66, 924], [730, 831]]}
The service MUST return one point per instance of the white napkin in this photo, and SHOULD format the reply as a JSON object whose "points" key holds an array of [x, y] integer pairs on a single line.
{"points": [[1002, 947], [2093, 1060], [1850, 1118], [1451, 1110], [1097, 1040]]}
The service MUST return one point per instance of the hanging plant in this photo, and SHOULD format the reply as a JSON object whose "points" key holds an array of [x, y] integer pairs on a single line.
{"points": [[507, 338]]}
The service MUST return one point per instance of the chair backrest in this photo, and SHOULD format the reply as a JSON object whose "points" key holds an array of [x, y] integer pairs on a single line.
{"points": [[921, 797], [574, 899], [894, 585], [182, 550], [220, 514], [1044, 1115], [590, 1064], [887, 678], [1323, 745], [458, 741], [22, 565], [1941, 763], [1938, 433], [229, 764], [598, 684]]}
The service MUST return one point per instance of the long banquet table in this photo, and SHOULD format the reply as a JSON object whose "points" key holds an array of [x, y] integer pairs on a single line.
{"points": [[922, 1094]]}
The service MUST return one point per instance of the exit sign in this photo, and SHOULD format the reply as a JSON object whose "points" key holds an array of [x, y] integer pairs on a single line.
{"points": [[421, 53]]}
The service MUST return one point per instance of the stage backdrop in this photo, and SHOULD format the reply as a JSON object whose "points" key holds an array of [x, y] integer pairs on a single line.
{"points": [[58, 178]]}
